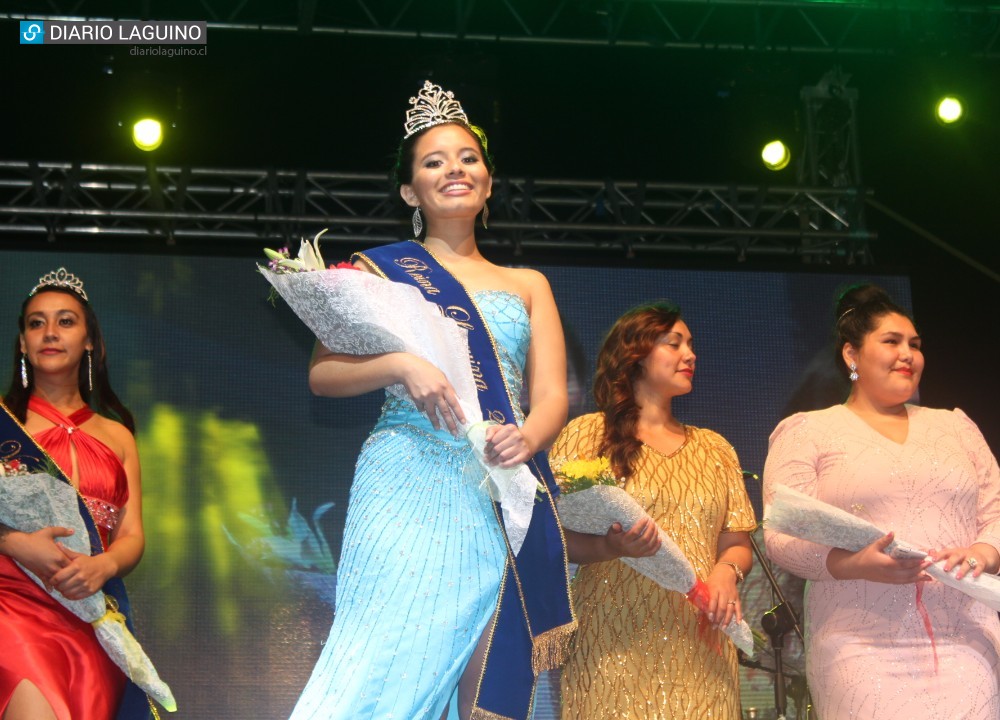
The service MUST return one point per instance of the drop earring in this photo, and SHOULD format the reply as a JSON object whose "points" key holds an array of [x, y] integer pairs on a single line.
{"points": [[854, 372], [486, 216], [90, 371], [24, 372], [418, 223]]}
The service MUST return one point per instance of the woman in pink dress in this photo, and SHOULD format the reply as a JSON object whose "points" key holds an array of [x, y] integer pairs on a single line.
{"points": [[882, 639], [51, 664]]}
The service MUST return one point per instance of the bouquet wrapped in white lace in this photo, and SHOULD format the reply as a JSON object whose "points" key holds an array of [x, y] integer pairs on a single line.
{"points": [[799, 515], [30, 502], [353, 312], [591, 502]]}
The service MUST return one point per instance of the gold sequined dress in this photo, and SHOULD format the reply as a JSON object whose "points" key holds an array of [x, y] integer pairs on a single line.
{"points": [[638, 652]]}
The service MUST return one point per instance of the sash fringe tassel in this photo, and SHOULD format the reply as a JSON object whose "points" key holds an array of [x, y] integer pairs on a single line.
{"points": [[551, 649]]}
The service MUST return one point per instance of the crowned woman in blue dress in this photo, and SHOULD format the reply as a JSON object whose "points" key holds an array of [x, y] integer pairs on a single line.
{"points": [[435, 607]]}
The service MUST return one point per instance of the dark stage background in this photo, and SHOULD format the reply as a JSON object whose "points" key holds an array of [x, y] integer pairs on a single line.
{"points": [[246, 475], [291, 101]]}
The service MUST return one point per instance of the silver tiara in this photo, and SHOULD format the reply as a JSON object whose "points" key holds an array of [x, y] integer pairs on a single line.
{"points": [[433, 106], [62, 278]]}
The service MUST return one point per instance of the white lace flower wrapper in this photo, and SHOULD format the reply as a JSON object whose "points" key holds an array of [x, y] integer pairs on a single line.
{"points": [[357, 313], [31, 502], [514, 487], [799, 515], [802, 516], [595, 509]]}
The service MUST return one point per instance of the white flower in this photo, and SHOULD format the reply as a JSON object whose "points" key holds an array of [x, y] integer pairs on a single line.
{"points": [[309, 257]]}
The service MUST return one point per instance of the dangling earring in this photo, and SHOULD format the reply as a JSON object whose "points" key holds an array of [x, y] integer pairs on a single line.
{"points": [[90, 371], [486, 216], [418, 223], [854, 372], [24, 373]]}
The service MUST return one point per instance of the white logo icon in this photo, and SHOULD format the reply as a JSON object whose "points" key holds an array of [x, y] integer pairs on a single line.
{"points": [[33, 31]]}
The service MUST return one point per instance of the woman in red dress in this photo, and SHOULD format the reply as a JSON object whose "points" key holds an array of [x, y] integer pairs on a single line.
{"points": [[51, 666]]}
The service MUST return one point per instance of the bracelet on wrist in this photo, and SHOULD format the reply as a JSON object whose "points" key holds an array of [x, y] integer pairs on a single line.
{"points": [[736, 569]]}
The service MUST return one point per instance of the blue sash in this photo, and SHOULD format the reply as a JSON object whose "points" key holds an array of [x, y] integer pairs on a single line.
{"points": [[17, 444], [534, 621]]}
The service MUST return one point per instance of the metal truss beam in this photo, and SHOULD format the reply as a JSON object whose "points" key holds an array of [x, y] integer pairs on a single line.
{"points": [[170, 205], [831, 154], [803, 26]]}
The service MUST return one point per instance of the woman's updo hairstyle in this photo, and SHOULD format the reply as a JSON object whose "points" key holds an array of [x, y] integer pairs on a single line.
{"points": [[859, 309]]}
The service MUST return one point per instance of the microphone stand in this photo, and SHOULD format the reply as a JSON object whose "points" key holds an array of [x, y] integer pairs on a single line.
{"points": [[776, 622]]}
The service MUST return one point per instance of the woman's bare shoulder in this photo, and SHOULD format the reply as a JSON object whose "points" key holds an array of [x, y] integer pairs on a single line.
{"points": [[530, 284], [526, 275], [112, 433]]}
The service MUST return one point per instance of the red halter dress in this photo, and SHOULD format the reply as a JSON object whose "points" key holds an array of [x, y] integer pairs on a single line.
{"points": [[40, 640]]}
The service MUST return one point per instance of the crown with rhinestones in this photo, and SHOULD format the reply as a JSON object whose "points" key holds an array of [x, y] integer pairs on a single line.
{"points": [[433, 106], [61, 278]]}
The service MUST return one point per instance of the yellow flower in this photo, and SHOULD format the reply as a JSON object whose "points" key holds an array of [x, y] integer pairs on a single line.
{"points": [[585, 468], [576, 475]]}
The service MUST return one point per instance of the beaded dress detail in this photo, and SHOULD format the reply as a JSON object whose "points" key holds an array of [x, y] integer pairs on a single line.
{"points": [[422, 560], [638, 652]]}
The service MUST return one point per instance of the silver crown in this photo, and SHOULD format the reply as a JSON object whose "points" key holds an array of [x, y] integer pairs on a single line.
{"points": [[433, 106], [60, 278]]}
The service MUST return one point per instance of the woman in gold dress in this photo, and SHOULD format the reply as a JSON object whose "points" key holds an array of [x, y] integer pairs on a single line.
{"points": [[640, 651]]}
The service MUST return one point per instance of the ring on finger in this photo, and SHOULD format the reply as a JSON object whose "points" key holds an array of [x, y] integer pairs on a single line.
{"points": [[731, 602], [971, 561]]}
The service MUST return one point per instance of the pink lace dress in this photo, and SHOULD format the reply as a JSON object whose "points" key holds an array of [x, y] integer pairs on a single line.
{"points": [[868, 649]]}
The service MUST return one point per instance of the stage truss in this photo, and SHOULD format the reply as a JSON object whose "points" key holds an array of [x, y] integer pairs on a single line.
{"points": [[802, 26], [153, 206]]}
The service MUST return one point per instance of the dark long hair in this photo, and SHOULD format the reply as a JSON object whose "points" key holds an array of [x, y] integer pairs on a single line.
{"points": [[102, 399], [627, 344], [858, 310], [402, 171]]}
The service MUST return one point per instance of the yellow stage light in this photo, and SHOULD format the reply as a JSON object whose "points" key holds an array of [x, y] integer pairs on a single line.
{"points": [[147, 134], [949, 110], [776, 155]]}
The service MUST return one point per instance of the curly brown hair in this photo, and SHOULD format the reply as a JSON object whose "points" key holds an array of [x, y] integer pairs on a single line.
{"points": [[627, 344]]}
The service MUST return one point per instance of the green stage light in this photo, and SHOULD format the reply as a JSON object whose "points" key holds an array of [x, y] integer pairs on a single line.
{"points": [[776, 155], [147, 134], [949, 110]]}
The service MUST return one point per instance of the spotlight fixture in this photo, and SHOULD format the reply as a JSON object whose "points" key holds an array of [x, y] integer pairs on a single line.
{"points": [[147, 134], [776, 155], [949, 110]]}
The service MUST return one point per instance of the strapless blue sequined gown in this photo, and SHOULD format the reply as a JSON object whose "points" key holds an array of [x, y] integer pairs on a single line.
{"points": [[422, 559]]}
